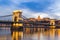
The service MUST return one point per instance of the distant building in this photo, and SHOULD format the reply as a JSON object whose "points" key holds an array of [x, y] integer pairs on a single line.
{"points": [[32, 19], [46, 19], [38, 18]]}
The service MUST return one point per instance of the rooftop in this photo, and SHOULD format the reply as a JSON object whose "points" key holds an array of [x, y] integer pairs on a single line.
{"points": [[17, 11]]}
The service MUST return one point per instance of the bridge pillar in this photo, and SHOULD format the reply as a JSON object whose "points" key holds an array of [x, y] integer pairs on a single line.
{"points": [[52, 23], [17, 19], [17, 15]]}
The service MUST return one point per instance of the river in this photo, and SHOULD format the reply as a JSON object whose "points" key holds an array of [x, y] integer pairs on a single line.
{"points": [[49, 34]]}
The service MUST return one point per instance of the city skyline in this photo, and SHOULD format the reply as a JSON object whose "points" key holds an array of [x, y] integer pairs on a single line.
{"points": [[32, 8]]}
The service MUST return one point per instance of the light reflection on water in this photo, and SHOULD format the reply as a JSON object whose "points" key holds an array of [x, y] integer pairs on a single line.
{"points": [[49, 34], [16, 35]]}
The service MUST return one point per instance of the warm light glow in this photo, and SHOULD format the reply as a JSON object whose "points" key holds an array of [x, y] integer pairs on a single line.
{"points": [[52, 22], [17, 11], [13, 24], [38, 18], [17, 24], [52, 26], [20, 24], [16, 35]]}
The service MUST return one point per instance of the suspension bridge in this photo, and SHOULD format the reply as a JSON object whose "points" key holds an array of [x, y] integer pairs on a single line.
{"points": [[17, 21]]}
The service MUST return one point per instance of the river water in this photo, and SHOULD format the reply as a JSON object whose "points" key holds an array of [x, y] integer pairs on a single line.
{"points": [[49, 34]]}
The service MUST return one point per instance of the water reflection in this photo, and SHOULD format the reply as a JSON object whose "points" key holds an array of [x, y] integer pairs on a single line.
{"points": [[17, 35], [44, 34], [27, 34]]}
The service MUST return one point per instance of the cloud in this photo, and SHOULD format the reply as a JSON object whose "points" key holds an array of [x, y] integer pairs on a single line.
{"points": [[55, 7], [28, 13], [32, 8], [39, 6], [34, 5], [22, 1]]}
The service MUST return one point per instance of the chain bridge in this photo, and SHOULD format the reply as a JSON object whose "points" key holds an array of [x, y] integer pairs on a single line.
{"points": [[16, 21]]}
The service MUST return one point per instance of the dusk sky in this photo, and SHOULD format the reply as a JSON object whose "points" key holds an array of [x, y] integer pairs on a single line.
{"points": [[32, 8]]}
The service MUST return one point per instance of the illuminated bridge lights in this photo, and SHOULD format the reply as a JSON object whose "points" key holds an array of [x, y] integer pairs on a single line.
{"points": [[52, 27], [18, 20], [17, 24]]}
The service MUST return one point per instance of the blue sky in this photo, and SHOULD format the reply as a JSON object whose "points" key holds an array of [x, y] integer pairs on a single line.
{"points": [[32, 8]]}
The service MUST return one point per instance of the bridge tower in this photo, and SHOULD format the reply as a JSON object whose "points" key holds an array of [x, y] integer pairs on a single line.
{"points": [[17, 19], [52, 23], [17, 15]]}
